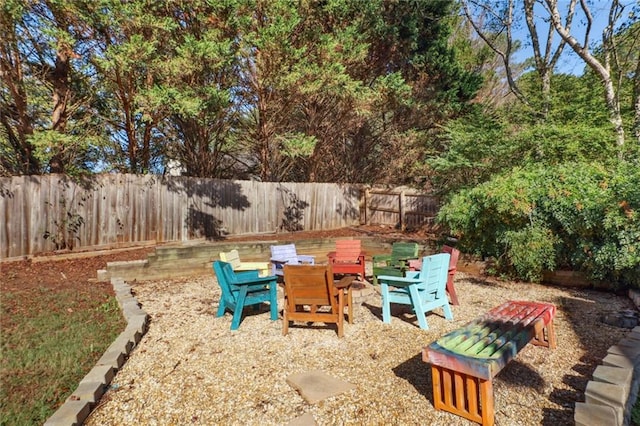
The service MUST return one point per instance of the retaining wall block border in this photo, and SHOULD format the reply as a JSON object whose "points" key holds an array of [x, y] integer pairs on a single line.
{"points": [[624, 356], [75, 410]]}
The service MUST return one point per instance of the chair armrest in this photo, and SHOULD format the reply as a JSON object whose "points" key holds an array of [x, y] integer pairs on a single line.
{"points": [[305, 258], [274, 260], [331, 254], [345, 282], [397, 281], [257, 280]]}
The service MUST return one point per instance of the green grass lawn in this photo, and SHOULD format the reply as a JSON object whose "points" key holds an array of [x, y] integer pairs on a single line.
{"points": [[49, 343], [56, 321]]}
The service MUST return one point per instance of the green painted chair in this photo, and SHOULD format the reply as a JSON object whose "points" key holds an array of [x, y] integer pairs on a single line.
{"points": [[240, 289], [396, 263], [424, 290]]}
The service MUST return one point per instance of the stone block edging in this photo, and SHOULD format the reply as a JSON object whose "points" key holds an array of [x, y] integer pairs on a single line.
{"points": [[75, 410], [613, 390]]}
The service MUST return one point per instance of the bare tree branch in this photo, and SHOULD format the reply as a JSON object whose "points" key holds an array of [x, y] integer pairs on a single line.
{"points": [[602, 69]]}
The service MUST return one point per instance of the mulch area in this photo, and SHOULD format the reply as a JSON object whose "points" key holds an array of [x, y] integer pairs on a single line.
{"points": [[191, 368]]}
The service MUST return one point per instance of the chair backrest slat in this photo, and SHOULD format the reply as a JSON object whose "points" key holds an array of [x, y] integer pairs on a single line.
{"points": [[308, 285], [226, 278], [434, 273], [284, 252], [348, 250], [401, 250], [453, 261], [232, 257]]}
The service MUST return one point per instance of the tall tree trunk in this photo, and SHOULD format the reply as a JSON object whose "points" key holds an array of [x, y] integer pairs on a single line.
{"points": [[60, 79], [601, 69], [636, 102], [502, 13], [59, 117], [545, 61], [14, 113]]}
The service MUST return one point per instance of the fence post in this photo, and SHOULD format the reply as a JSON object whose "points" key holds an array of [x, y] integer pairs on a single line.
{"points": [[401, 210], [366, 206]]}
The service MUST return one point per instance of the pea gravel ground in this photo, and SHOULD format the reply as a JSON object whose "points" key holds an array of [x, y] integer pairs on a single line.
{"points": [[190, 368]]}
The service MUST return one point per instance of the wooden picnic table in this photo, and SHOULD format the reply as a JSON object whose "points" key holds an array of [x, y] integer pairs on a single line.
{"points": [[464, 362]]}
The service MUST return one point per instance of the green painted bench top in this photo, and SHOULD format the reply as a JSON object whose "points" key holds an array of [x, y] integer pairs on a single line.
{"points": [[484, 346]]}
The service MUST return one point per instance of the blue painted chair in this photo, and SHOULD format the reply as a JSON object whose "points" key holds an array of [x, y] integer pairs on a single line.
{"points": [[424, 290], [240, 289]]}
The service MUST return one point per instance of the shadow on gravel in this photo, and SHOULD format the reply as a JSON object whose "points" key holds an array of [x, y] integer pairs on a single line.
{"points": [[418, 373], [583, 313]]}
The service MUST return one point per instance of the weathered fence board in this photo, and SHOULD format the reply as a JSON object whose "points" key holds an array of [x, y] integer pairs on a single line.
{"points": [[122, 209], [400, 207]]}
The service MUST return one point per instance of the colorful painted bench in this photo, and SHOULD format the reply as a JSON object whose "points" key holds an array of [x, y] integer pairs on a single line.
{"points": [[465, 361]]}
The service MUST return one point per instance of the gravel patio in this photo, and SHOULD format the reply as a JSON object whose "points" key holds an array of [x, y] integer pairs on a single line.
{"points": [[190, 368]]}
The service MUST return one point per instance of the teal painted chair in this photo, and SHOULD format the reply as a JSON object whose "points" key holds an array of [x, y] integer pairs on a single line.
{"points": [[240, 289], [424, 290]]}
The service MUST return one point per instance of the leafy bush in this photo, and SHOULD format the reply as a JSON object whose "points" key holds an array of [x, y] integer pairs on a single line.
{"points": [[530, 251], [574, 215]]}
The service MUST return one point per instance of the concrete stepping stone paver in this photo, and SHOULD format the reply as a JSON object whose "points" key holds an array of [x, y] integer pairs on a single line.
{"points": [[316, 385], [304, 420]]}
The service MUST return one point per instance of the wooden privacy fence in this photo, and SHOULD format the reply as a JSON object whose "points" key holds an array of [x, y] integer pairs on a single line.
{"points": [[399, 207], [44, 213]]}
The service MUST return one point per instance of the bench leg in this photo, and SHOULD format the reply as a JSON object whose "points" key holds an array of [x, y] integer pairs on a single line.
{"points": [[545, 336], [464, 395]]}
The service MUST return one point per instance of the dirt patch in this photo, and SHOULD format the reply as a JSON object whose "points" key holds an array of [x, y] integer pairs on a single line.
{"points": [[26, 280], [386, 232]]}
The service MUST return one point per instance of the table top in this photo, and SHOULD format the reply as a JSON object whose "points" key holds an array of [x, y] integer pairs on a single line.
{"points": [[345, 281], [484, 346]]}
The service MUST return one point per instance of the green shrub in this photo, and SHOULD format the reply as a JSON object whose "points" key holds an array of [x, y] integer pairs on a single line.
{"points": [[574, 215], [530, 251]]}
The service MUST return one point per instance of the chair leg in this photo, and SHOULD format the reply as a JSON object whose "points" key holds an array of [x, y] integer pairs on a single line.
{"points": [[386, 309], [415, 301], [340, 313], [452, 290], [285, 322], [273, 300], [237, 313], [350, 303], [221, 308], [448, 314]]}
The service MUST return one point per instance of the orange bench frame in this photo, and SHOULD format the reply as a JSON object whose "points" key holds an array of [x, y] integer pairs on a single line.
{"points": [[464, 362]]}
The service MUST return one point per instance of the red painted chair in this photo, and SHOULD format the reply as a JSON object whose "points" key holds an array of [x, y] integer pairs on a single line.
{"points": [[348, 258], [453, 262]]}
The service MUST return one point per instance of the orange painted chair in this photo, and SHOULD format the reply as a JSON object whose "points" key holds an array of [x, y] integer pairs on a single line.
{"points": [[308, 291]]}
